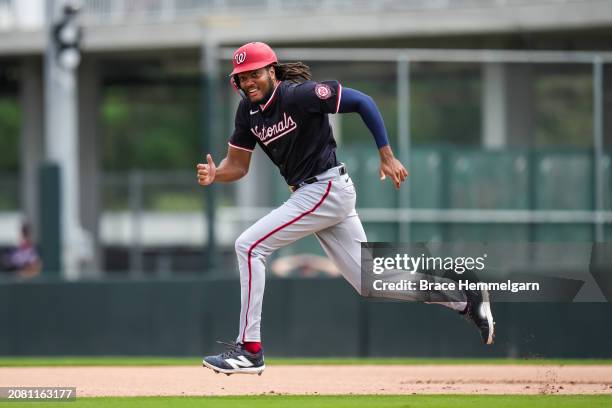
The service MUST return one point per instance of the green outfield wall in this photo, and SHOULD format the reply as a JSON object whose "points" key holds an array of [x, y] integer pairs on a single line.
{"points": [[302, 317]]}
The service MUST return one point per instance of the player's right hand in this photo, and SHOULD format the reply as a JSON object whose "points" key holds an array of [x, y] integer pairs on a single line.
{"points": [[206, 172]]}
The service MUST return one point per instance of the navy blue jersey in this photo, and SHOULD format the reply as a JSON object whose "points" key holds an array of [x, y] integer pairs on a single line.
{"points": [[292, 128]]}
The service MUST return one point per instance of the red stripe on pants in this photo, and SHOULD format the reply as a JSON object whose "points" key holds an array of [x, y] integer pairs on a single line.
{"points": [[246, 315]]}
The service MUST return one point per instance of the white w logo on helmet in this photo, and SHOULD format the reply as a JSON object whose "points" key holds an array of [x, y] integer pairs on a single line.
{"points": [[240, 57]]}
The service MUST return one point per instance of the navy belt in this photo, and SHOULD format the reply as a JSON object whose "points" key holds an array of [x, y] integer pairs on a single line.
{"points": [[310, 180]]}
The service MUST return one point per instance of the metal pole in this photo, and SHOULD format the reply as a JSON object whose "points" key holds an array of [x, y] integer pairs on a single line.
{"points": [[210, 115], [403, 126], [49, 206], [598, 170], [61, 147], [136, 182]]}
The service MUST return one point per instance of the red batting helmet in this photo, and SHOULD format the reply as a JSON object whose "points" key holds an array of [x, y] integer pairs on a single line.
{"points": [[252, 56]]}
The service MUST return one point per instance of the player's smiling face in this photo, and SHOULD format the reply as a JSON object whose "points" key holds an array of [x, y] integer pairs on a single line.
{"points": [[258, 84]]}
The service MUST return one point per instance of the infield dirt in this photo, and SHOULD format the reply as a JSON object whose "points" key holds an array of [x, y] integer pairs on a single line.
{"points": [[312, 380]]}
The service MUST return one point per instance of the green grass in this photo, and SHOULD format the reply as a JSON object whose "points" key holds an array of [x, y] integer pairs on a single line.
{"points": [[369, 401], [10, 361]]}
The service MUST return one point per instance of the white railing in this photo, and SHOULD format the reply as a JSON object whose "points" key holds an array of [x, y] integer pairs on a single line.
{"points": [[155, 228], [22, 15], [7, 15], [114, 11], [29, 14]]}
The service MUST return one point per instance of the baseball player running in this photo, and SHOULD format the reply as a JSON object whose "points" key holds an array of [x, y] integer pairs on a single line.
{"points": [[286, 113]]}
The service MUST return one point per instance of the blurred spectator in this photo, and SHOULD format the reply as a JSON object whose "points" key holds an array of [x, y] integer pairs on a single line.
{"points": [[23, 260], [305, 266]]}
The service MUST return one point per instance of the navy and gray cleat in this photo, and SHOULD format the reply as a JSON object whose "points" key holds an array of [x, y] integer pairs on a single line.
{"points": [[478, 311], [236, 360]]}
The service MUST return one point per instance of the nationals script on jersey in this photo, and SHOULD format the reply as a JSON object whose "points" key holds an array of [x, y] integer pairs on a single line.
{"points": [[271, 133], [292, 128]]}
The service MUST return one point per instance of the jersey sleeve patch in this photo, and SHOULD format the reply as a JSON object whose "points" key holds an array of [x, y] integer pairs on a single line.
{"points": [[316, 97], [323, 91]]}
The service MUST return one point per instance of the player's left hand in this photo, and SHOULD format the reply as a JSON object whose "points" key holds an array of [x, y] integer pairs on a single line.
{"points": [[390, 166]]}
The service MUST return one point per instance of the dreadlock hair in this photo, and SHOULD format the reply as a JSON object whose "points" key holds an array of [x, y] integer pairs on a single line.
{"points": [[292, 71]]}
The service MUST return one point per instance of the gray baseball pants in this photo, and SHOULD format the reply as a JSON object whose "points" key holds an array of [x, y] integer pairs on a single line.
{"points": [[325, 208]]}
